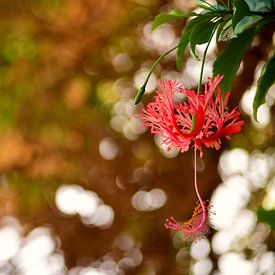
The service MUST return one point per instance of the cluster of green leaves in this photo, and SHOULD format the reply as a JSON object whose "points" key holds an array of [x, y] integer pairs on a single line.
{"points": [[235, 21]]}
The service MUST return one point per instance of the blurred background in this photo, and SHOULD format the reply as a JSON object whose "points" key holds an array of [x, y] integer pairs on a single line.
{"points": [[84, 190]]}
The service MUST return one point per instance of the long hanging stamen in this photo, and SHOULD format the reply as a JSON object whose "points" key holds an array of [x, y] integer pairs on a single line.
{"points": [[196, 185], [198, 226]]}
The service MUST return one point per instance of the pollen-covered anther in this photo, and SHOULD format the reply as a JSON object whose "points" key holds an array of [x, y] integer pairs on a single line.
{"points": [[195, 228]]}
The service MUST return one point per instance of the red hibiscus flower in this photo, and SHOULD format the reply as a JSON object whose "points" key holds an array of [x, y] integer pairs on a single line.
{"points": [[201, 119]]}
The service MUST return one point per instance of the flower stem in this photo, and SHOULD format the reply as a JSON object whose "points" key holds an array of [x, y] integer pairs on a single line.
{"points": [[142, 88], [195, 178], [204, 56]]}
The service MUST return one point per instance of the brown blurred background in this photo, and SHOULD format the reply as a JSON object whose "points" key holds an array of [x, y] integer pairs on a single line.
{"points": [[83, 189]]}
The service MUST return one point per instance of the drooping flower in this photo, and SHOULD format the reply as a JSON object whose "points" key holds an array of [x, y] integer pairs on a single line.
{"points": [[202, 119]]}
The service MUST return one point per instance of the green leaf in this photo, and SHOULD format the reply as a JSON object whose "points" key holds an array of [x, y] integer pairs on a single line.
{"points": [[163, 18], [246, 23], [204, 5], [259, 5], [266, 80], [268, 19], [186, 36], [243, 19], [219, 30], [266, 216], [241, 10], [226, 32], [200, 34], [229, 60], [211, 7]]}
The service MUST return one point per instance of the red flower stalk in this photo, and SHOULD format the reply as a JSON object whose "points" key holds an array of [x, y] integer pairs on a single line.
{"points": [[201, 120]]}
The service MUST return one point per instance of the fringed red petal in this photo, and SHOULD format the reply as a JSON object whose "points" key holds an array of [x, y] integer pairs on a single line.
{"points": [[202, 119]]}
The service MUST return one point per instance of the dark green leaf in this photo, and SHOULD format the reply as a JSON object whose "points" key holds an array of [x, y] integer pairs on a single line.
{"points": [[267, 216], [266, 80], [200, 34], [227, 32], [219, 30], [167, 17], [241, 10], [268, 19], [186, 35], [242, 17], [246, 23], [230, 4], [229, 60]]}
